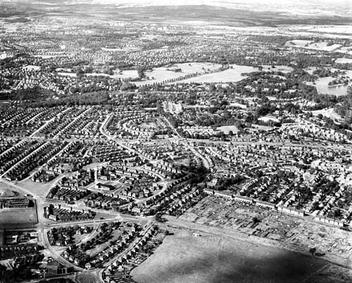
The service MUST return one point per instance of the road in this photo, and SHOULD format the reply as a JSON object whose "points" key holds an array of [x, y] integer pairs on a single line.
{"points": [[131, 246], [207, 164], [42, 127], [42, 229], [54, 253], [73, 122], [9, 149], [24, 159], [52, 158], [44, 225], [103, 130]]}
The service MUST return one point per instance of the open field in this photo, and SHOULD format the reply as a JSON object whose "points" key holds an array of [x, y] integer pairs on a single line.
{"points": [[275, 228], [187, 257], [322, 85], [230, 75], [227, 129], [308, 44], [87, 277], [18, 216], [334, 29], [37, 189], [328, 112], [268, 118], [346, 50], [125, 74], [343, 61], [9, 190], [175, 71]]}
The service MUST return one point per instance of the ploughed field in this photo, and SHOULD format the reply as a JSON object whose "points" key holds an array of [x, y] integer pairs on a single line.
{"points": [[187, 257]]}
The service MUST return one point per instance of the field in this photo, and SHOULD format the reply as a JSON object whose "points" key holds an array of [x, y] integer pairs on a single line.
{"points": [[87, 277], [187, 257], [13, 189], [227, 129], [18, 216], [346, 50], [343, 60], [230, 75], [334, 29], [308, 44], [37, 189], [328, 112], [323, 87], [125, 74], [169, 72], [160, 74], [275, 229], [322, 84], [268, 118]]}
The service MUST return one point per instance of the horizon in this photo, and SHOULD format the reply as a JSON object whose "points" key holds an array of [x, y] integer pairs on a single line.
{"points": [[293, 7]]}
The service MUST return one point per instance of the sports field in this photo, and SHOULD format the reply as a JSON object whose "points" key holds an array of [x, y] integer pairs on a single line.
{"points": [[18, 216]]}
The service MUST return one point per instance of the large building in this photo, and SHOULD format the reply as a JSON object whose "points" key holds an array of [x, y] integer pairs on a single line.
{"points": [[11, 199], [173, 108]]}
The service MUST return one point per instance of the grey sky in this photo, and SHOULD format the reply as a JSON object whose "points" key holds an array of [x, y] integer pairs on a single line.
{"points": [[294, 7]]}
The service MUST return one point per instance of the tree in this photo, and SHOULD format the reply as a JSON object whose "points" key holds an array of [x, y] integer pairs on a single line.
{"points": [[256, 219], [141, 72], [349, 90], [212, 87], [79, 73], [313, 251], [127, 85]]}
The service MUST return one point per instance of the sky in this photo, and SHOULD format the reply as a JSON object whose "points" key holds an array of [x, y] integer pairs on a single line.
{"points": [[294, 7]]}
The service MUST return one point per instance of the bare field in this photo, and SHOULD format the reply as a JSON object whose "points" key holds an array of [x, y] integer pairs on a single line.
{"points": [[186, 257], [37, 189], [279, 229]]}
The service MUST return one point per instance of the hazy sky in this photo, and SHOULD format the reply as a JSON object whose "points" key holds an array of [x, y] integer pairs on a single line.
{"points": [[232, 3], [338, 7], [304, 7]]}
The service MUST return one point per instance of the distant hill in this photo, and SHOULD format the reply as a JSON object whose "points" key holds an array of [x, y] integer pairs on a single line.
{"points": [[225, 12]]}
